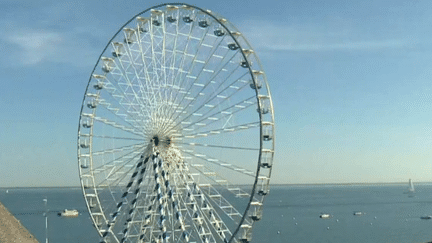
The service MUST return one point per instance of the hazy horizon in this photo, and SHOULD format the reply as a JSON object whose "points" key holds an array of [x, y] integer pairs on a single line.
{"points": [[272, 184]]}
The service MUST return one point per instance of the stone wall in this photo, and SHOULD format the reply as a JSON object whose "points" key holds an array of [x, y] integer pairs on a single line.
{"points": [[11, 230]]}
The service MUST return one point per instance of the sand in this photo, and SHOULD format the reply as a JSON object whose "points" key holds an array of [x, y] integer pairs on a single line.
{"points": [[11, 230]]}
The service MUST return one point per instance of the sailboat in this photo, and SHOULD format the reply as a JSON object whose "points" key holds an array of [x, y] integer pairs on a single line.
{"points": [[411, 189]]}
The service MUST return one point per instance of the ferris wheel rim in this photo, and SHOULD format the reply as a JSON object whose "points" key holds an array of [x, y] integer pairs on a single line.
{"points": [[250, 72]]}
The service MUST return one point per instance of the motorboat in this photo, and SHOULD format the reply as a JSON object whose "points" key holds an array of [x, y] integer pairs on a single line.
{"points": [[426, 217], [358, 213], [69, 213], [325, 216]]}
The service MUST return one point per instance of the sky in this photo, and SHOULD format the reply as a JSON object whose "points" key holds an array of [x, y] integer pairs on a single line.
{"points": [[350, 81]]}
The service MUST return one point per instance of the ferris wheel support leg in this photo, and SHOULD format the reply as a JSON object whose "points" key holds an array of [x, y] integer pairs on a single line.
{"points": [[138, 169], [170, 195]]}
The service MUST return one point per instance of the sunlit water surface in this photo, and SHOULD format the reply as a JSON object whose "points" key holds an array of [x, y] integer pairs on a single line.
{"points": [[291, 214]]}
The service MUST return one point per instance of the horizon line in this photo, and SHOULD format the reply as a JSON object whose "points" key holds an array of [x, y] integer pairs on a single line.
{"points": [[275, 184]]}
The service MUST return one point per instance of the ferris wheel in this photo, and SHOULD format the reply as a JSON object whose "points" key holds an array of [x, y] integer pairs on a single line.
{"points": [[176, 131]]}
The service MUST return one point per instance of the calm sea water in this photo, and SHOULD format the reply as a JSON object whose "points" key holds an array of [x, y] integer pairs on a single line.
{"points": [[291, 214]]}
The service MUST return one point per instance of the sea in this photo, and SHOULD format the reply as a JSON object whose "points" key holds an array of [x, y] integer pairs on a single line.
{"points": [[291, 214]]}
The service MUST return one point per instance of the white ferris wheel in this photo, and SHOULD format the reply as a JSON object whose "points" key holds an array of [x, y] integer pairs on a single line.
{"points": [[176, 131]]}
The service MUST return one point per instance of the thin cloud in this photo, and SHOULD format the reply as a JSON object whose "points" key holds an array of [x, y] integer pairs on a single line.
{"points": [[55, 34], [271, 37], [361, 45], [34, 47]]}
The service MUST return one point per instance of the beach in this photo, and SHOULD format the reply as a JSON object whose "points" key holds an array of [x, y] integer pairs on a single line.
{"points": [[11, 230]]}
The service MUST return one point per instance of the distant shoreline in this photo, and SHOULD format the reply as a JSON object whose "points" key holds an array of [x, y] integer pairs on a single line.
{"points": [[271, 184]]}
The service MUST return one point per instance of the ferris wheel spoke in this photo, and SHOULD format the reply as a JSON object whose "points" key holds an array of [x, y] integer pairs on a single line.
{"points": [[218, 146], [213, 218], [225, 98], [219, 180], [203, 86], [206, 103], [175, 194], [114, 174], [227, 112], [120, 138], [201, 226], [214, 194], [210, 80], [177, 65], [220, 163], [115, 110], [156, 68], [203, 212], [122, 97], [172, 67], [139, 69], [179, 183], [118, 160], [194, 61], [134, 147], [109, 174], [178, 77], [143, 41], [199, 93], [214, 132], [217, 198], [130, 78], [126, 63], [244, 223], [117, 125], [165, 54], [115, 177]]}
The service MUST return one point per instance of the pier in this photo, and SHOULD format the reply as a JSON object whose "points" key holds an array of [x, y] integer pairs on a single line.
{"points": [[11, 230]]}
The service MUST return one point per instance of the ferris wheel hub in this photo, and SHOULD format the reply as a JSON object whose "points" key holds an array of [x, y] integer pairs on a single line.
{"points": [[155, 139]]}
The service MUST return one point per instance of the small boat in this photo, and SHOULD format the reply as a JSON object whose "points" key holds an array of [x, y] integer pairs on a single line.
{"points": [[426, 217], [69, 213], [358, 213], [411, 190], [7, 191], [325, 216]]}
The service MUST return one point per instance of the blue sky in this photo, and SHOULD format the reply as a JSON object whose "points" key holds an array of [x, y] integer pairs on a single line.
{"points": [[351, 84]]}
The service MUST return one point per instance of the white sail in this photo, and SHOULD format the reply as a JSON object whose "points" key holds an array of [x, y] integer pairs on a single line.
{"points": [[410, 186]]}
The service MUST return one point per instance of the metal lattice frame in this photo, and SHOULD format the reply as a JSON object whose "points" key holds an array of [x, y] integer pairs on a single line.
{"points": [[176, 132]]}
